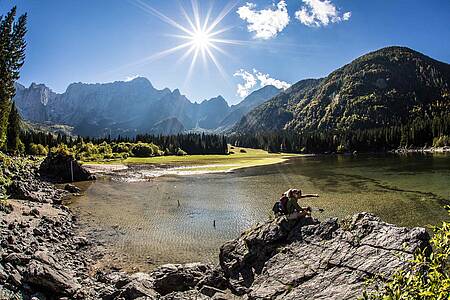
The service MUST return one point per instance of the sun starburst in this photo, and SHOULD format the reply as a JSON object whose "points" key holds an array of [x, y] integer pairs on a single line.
{"points": [[201, 36]]}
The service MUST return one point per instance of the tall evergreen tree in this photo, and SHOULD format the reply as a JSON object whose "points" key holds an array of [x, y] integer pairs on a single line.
{"points": [[13, 132], [12, 55]]}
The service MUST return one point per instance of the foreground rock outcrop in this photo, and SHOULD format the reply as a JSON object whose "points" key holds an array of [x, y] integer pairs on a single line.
{"points": [[313, 260], [64, 168]]}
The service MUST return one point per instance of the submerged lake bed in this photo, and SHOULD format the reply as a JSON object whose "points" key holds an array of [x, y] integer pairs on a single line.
{"points": [[185, 218]]}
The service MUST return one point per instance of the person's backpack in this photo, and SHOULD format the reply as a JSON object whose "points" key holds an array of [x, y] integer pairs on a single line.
{"points": [[280, 207]]}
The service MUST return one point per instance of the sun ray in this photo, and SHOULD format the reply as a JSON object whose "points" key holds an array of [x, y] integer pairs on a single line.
{"points": [[220, 50], [225, 11], [186, 16], [208, 15], [191, 67], [161, 16], [216, 63], [231, 42], [186, 54], [217, 32], [196, 13]]}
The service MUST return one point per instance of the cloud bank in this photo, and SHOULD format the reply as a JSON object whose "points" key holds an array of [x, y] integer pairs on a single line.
{"points": [[252, 79], [265, 23], [317, 13]]}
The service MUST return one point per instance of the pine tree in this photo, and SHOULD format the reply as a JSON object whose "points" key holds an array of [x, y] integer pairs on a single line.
{"points": [[13, 132], [12, 55]]}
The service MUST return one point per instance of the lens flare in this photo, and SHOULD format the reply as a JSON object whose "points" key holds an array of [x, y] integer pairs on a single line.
{"points": [[202, 36]]}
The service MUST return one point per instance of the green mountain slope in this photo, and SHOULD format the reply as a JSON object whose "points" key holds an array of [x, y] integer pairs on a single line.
{"points": [[391, 86]]}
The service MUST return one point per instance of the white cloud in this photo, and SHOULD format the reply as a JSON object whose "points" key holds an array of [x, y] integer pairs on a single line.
{"points": [[264, 79], [130, 78], [249, 82], [252, 79], [317, 13], [266, 23], [346, 16]]}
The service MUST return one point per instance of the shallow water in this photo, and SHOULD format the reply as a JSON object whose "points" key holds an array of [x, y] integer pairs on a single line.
{"points": [[149, 227]]}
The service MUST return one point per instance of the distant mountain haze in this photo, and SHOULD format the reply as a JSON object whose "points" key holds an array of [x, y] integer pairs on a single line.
{"points": [[391, 86], [129, 108]]}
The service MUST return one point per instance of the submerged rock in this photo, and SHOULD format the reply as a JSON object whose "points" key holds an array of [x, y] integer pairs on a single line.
{"points": [[64, 168], [72, 188]]}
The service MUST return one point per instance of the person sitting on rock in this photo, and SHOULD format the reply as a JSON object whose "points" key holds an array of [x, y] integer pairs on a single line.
{"points": [[293, 209]]}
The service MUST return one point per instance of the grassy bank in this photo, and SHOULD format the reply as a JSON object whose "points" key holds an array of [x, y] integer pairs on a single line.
{"points": [[239, 158]]}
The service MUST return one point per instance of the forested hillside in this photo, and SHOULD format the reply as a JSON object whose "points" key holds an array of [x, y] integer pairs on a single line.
{"points": [[388, 98]]}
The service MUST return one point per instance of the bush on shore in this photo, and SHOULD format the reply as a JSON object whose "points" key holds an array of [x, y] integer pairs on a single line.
{"points": [[441, 141], [5, 163], [104, 151], [429, 275], [38, 149]]}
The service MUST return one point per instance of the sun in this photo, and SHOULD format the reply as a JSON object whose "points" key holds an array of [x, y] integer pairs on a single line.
{"points": [[201, 40], [201, 34]]}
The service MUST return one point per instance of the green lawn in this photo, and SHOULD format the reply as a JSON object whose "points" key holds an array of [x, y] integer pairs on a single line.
{"points": [[215, 163]]}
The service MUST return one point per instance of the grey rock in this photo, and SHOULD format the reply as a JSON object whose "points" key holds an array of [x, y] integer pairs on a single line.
{"points": [[176, 278], [141, 285], [312, 260], [72, 188], [3, 274], [35, 212], [188, 295], [47, 275], [15, 278], [17, 259]]}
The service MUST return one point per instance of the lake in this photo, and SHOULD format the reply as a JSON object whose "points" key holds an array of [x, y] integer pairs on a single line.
{"points": [[170, 219]]}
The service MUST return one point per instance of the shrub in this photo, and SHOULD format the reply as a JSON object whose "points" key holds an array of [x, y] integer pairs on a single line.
{"points": [[105, 148], [142, 150], [428, 277], [61, 149], [181, 152], [441, 141], [122, 148], [38, 149], [341, 149]]}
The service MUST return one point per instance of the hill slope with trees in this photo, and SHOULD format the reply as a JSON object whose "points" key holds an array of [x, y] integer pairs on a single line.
{"points": [[395, 94]]}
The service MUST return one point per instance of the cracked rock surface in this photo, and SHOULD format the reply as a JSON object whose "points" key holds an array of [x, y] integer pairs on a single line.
{"points": [[313, 260]]}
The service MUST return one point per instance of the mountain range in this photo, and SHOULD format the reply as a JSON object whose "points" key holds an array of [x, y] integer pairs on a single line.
{"points": [[388, 87], [130, 108]]}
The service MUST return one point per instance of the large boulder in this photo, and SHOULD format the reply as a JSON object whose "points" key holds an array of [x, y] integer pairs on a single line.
{"points": [[177, 278], [139, 285], [312, 260], [46, 274], [62, 167]]}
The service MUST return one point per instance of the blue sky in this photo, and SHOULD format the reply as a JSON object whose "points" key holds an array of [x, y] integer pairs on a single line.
{"points": [[108, 40]]}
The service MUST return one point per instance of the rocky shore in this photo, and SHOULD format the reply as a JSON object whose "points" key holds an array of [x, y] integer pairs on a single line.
{"points": [[445, 149], [45, 255]]}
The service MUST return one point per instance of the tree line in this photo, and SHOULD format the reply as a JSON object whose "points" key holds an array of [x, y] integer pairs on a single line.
{"points": [[40, 143], [419, 132]]}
